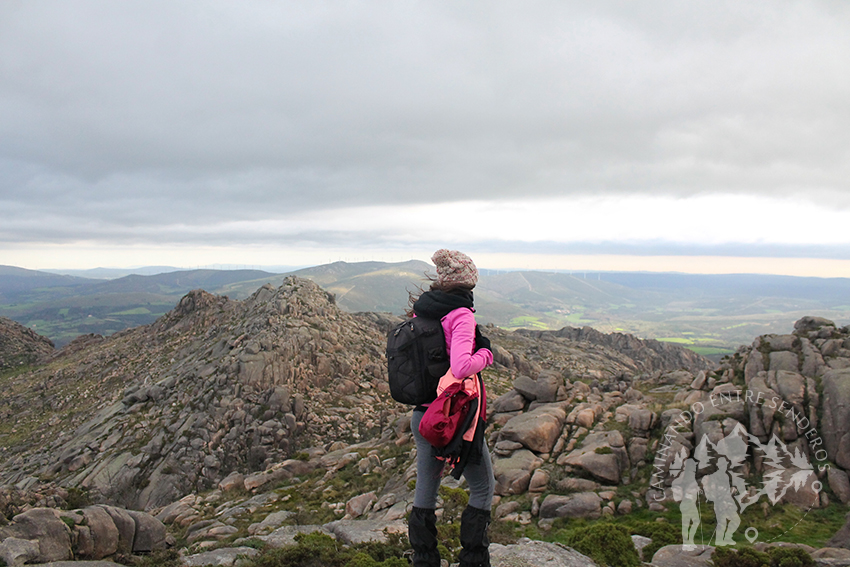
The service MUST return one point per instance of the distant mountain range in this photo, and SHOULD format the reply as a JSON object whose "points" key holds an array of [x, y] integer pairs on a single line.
{"points": [[115, 273], [711, 314]]}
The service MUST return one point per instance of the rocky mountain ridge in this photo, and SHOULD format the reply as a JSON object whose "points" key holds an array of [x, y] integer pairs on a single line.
{"points": [[649, 355], [213, 385], [218, 385]]}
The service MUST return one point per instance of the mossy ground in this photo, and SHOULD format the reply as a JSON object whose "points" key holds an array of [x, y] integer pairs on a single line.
{"points": [[311, 495], [783, 523], [321, 550]]}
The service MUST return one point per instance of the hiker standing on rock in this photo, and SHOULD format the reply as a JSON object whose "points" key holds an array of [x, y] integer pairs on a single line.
{"points": [[718, 489], [686, 491], [450, 301]]}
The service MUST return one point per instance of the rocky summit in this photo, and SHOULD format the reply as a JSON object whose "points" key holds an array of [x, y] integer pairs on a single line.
{"points": [[237, 421], [214, 386]]}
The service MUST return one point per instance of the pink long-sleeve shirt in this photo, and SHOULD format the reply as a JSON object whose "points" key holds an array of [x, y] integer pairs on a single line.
{"points": [[459, 328]]}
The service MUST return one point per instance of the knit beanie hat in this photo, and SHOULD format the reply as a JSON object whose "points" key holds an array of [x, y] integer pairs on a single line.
{"points": [[454, 267]]}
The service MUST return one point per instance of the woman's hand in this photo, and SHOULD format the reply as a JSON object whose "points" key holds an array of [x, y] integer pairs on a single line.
{"points": [[480, 340]]}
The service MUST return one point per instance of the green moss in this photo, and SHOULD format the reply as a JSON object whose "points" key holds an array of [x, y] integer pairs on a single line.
{"points": [[604, 450]]}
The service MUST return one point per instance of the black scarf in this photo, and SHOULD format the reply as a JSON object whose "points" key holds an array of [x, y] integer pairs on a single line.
{"points": [[437, 304]]}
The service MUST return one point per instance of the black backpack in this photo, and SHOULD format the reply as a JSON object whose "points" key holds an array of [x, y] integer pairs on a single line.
{"points": [[416, 360]]}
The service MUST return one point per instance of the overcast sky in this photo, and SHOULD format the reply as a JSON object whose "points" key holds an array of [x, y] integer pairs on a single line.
{"points": [[692, 135]]}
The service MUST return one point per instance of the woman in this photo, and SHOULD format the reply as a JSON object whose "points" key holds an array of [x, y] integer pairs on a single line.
{"points": [[450, 300]]}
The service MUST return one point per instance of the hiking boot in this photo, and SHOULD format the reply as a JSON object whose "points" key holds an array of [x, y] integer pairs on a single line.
{"points": [[422, 533], [473, 537]]}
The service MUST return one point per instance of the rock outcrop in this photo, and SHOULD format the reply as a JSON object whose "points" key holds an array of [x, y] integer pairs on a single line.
{"points": [[20, 346], [528, 552], [836, 414], [42, 535], [679, 556], [648, 355], [785, 398]]}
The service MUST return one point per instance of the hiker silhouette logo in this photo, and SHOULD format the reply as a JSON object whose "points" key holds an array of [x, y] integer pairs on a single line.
{"points": [[714, 477]]}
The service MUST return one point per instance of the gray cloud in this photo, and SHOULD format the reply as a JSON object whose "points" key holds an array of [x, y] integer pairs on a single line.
{"points": [[119, 117]]}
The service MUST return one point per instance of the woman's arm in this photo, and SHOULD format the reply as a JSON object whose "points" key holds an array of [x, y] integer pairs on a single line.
{"points": [[465, 360]]}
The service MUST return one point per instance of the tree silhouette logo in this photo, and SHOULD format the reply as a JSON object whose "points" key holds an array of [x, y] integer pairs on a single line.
{"points": [[721, 482]]}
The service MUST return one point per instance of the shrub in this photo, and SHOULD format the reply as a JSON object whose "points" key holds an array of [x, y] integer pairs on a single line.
{"points": [[746, 557], [454, 501], [448, 531], [361, 559], [311, 550], [321, 550], [164, 558], [661, 534], [395, 547], [254, 542], [605, 543], [775, 557], [504, 532], [77, 498], [448, 536], [790, 557]]}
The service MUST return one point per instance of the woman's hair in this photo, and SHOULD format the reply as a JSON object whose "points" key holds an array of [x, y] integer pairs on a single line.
{"points": [[436, 285]]}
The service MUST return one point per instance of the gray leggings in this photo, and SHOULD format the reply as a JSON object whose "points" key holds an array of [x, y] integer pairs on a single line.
{"points": [[429, 472]]}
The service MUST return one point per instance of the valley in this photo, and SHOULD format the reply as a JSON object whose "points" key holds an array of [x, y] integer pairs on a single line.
{"points": [[711, 315]]}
